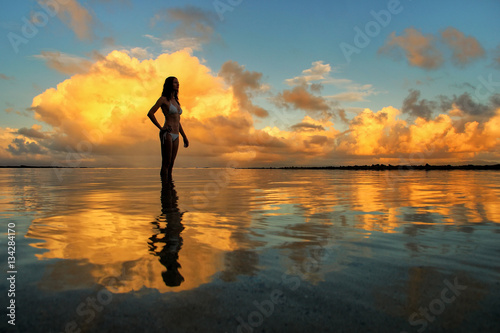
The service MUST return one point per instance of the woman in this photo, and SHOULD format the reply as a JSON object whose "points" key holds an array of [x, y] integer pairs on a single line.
{"points": [[169, 133]]}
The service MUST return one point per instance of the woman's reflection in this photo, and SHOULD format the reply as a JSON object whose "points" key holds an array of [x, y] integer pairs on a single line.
{"points": [[170, 235]]}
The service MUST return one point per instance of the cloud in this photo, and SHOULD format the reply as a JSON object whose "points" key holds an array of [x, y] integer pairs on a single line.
{"points": [[139, 53], [103, 112], [64, 63], [316, 87], [74, 15], [496, 57], [113, 96], [420, 50], [465, 49], [310, 141], [462, 109], [5, 77], [426, 51], [418, 108], [243, 83], [373, 133], [196, 26], [300, 98], [318, 72], [468, 106], [177, 44], [98, 118], [440, 135], [315, 78], [319, 140], [342, 116], [33, 132], [357, 94], [108, 41], [193, 21], [381, 134], [21, 146], [304, 127]]}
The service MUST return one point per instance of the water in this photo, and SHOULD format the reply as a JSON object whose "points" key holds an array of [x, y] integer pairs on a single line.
{"points": [[112, 250]]}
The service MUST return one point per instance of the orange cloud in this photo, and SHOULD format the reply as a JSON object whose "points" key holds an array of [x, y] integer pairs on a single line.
{"points": [[381, 134], [300, 98], [107, 106], [425, 50], [64, 63], [465, 49], [21, 146], [98, 118], [375, 133], [104, 110], [310, 139], [5, 77], [74, 15], [195, 27], [243, 83], [420, 50]]}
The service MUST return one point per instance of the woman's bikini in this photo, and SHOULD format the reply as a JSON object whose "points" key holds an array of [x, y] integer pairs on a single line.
{"points": [[171, 110]]}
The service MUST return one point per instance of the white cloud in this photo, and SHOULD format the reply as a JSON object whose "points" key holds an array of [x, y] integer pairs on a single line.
{"points": [[173, 45], [64, 62], [139, 53], [319, 73]]}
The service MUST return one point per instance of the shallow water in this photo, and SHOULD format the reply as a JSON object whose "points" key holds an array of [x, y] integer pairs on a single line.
{"points": [[223, 250]]}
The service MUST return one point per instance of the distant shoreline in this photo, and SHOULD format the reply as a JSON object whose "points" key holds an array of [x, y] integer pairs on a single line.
{"points": [[379, 167], [376, 167], [41, 166]]}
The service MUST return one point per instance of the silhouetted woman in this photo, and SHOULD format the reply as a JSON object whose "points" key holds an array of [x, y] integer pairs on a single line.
{"points": [[167, 241], [169, 133]]}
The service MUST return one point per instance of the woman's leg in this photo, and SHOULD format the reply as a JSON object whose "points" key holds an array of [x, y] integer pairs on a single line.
{"points": [[166, 153], [175, 148]]}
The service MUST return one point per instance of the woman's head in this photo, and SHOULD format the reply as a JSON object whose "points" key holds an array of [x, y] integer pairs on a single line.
{"points": [[170, 86]]}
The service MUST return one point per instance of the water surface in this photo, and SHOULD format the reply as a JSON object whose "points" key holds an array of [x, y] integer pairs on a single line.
{"points": [[223, 250]]}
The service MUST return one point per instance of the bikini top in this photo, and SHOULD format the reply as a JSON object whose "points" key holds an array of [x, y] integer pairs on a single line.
{"points": [[173, 109]]}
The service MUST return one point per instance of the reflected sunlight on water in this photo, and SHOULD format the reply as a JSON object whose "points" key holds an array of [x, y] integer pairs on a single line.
{"points": [[217, 225]]}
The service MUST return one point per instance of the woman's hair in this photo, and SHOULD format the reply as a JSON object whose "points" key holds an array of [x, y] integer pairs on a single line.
{"points": [[168, 88]]}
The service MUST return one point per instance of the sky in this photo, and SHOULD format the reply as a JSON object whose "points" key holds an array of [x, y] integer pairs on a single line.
{"points": [[262, 83]]}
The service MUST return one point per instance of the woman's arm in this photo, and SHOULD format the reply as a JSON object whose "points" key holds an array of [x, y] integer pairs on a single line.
{"points": [[151, 113], [184, 137]]}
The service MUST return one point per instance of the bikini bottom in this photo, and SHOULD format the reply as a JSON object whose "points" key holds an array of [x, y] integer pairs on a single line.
{"points": [[163, 136]]}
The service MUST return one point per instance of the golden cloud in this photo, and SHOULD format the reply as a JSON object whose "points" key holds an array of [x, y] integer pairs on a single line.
{"points": [[99, 117], [425, 50], [64, 63], [465, 48], [419, 49], [383, 134], [74, 15]]}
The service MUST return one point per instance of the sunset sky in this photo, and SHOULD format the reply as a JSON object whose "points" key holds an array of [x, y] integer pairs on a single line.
{"points": [[262, 83]]}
